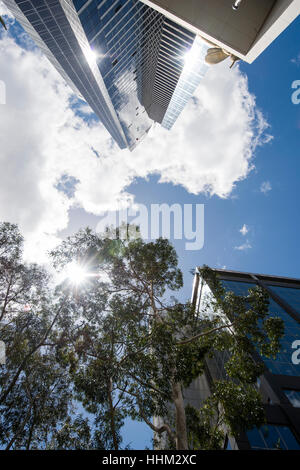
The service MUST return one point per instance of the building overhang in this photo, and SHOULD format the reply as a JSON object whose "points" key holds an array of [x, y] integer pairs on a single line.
{"points": [[245, 32]]}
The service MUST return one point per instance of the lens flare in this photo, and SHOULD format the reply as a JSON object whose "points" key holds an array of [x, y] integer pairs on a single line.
{"points": [[75, 273], [91, 56]]}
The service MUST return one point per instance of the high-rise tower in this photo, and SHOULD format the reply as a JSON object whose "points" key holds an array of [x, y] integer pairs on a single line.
{"points": [[129, 62], [138, 62]]}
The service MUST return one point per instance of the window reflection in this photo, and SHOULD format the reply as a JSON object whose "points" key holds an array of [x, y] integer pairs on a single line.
{"points": [[291, 295], [273, 437], [294, 397], [282, 365]]}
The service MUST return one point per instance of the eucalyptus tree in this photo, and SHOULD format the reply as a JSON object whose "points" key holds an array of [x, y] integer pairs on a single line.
{"points": [[34, 387], [136, 348], [92, 336]]}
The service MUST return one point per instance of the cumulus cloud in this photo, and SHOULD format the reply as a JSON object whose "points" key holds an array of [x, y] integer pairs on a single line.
{"points": [[245, 246], [265, 187], [48, 143], [244, 230]]}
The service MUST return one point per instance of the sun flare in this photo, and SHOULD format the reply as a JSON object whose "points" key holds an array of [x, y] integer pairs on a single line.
{"points": [[91, 55], [75, 273]]}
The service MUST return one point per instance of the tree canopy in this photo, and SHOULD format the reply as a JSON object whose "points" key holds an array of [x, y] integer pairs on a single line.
{"points": [[118, 345]]}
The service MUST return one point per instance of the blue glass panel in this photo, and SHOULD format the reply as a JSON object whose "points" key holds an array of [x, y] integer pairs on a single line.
{"points": [[273, 437], [228, 446], [283, 363], [255, 439], [238, 287], [287, 438], [79, 3], [290, 295], [294, 397], [140, 57], [193, 71]]}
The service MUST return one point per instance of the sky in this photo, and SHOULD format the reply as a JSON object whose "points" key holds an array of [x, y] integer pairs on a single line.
{"points": [[234, 149]]}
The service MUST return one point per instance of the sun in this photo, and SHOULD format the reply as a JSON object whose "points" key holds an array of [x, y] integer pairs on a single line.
{"points": [[189, 57], [91, 55], [75, 273]]}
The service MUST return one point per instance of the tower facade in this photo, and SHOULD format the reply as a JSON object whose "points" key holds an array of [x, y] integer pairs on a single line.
{"points": [[280, 383], [132, 65], [136, 62]]}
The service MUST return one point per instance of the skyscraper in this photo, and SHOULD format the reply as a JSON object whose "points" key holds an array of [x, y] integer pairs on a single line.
{"points": [[280, 384], [138, 62], [129, 62]]}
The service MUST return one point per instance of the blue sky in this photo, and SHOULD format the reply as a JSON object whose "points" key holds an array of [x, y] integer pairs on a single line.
{"points": [[267, 201], [44, 139], [271, 217]]}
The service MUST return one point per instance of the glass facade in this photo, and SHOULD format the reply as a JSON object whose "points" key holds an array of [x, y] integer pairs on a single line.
{"points": [[273, 437], [280, 389], [141, 56], [127, 60], [193, 71], [238, 287], [290, 295], [55, 28], [293, 397], [283, 363]]}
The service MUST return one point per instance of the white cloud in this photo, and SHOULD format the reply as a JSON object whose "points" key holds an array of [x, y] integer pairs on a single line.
{"points": [[296, 60], [5, 11], [245, 246], [244, 230], [209, 150], [265, 187]]}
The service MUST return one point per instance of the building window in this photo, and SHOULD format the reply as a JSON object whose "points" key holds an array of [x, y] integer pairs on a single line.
{"points": [[290, 295], [282, 364], [79, 3], [294, 397], [227, 445], [272, 437]]}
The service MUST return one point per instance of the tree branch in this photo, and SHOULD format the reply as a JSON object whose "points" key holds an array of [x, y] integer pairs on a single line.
{"points": [[193, 338]]}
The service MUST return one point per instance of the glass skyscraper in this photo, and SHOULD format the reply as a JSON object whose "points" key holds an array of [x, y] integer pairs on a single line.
{"points": [[280, 384], [130, 63]]}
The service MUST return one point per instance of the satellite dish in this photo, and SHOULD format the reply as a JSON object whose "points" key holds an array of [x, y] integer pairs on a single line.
{"points": [[215, 55]]}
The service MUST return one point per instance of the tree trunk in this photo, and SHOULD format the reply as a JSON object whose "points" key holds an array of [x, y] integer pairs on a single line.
{"points": [[112, 415], [180, 418], [19, 431], [30, 434]]}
